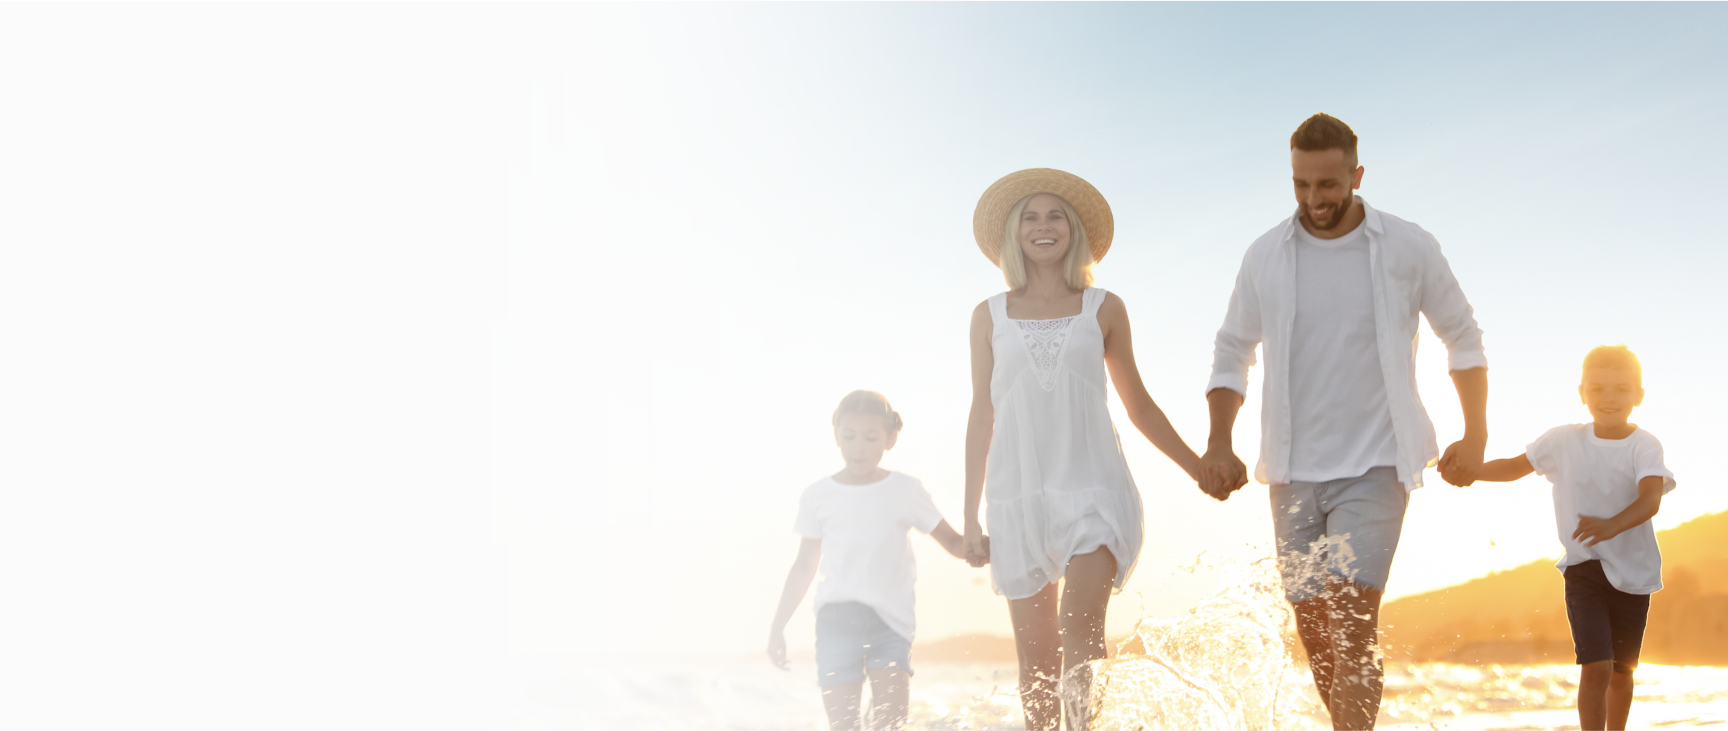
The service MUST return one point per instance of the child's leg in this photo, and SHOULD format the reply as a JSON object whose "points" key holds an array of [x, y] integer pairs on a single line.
{"points": [[1588, 610], [841, 702], [1038, 640], [1627, 615], [1593, 683], [1619, 699], [890, 698]]}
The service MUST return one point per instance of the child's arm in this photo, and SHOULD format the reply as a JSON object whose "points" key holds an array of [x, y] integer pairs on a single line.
{"points": [[1592, 531], [1504, 470], [955, 544], [797, 584]]}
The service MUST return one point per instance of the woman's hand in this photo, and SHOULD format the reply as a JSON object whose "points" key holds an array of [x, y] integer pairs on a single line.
{"points": [[975, 544], [777, 649]]}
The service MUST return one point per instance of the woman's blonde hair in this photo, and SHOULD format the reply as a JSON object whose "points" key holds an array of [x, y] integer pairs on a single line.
{"points": [[1077, 266]]}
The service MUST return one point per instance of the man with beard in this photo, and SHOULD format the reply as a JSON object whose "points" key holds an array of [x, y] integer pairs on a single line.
{"points": [[1333, 294]]}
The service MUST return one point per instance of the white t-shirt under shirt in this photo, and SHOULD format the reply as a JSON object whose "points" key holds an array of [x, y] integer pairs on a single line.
{"points": [[866, 554], [1340, 423], [1599, 477]]}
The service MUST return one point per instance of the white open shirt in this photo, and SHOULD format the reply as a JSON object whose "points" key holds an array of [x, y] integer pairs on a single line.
{"points": [[1409, 276]]}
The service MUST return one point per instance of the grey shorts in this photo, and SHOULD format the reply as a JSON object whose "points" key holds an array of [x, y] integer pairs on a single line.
{"points": [[1347, 528], [851, 638]]}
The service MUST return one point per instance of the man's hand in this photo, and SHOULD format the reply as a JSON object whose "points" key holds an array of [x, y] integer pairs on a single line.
{"points": [[1221, 473], [1592, 531], [777, 649], [1462, 461], [975, 544]]}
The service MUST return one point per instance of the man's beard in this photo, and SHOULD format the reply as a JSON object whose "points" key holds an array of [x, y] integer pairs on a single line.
{"points": [[1332, 221]]}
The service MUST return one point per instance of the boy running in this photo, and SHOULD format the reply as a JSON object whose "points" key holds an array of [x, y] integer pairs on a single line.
{"points": [[1608, 483]]}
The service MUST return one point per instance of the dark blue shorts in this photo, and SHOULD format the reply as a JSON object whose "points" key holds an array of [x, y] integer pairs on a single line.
{"points": [[1607, 623], [851, 639]]}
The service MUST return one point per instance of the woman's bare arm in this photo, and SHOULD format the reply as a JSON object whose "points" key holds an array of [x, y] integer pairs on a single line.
{"points": [[1147, 417], [979, 427]]}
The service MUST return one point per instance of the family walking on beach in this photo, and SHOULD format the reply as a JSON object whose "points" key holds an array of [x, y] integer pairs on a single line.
{"points": [[1331, 297]]}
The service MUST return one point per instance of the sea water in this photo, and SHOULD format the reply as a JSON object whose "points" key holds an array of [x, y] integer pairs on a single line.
{"points": [[1228, 663]]}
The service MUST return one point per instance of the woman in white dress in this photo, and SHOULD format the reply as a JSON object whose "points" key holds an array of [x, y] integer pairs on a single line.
{"points": [[1040, 442]]}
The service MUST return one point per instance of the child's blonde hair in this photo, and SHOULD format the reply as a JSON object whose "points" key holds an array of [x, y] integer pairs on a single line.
{"points": [[869, 402], [1615, 358], [1077, 266]]}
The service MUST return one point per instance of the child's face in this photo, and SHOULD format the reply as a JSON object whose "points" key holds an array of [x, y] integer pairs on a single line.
{"points": [[862, 439], [1610, 395]]}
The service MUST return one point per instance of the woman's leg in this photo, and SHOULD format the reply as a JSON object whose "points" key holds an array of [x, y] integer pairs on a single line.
{"points": [[1038, 639], [1085, 597], [890, 697]]}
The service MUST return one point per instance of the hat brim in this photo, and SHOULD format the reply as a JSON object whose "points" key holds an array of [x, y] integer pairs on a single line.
{"points": [[990, 220]]}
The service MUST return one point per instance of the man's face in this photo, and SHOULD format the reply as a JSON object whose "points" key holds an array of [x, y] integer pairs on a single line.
{"points": [[1325, 186]]}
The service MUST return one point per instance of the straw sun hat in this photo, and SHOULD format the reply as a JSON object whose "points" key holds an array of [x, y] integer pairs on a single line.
{"points": [[991, 217]]}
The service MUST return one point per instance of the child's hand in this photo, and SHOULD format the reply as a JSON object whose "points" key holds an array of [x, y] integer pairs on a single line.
{"points": [[1592, 531], [777, 649]]}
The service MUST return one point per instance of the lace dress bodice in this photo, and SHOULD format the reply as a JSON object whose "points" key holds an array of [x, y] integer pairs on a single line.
{"points": [[1056, 483]]}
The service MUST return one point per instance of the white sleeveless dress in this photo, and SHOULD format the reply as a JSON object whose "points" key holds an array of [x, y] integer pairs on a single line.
{"points": [[1056, 483]]}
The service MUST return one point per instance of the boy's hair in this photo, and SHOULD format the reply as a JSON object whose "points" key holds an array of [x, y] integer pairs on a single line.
{"points": [[1615, 358], [869, 402], [1325, 132], [1076, 267]]}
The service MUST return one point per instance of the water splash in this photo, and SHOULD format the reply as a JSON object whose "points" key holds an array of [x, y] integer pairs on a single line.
{"points": [[1229, 664]]}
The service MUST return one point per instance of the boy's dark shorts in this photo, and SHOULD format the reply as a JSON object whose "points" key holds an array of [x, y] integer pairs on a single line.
{"points": [[1607, 623]]}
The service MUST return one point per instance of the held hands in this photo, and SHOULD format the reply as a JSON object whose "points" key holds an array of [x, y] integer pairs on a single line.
{"points": [[975, 546], [1592, 531], [1462, 462], [1221, 473]]}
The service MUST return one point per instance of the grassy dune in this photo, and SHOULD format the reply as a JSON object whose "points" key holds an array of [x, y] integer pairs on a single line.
{"points": [[1519, 615]]}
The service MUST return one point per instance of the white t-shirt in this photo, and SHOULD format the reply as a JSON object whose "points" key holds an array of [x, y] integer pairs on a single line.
{"points": [[1340, 425], [1599, 478], [866, 554]]}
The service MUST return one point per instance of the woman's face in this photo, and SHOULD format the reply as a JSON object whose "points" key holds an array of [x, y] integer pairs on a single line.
{"points": [[1044, 230]]}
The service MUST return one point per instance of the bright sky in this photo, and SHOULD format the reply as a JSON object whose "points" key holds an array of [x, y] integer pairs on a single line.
{"points": [[355, 351]]}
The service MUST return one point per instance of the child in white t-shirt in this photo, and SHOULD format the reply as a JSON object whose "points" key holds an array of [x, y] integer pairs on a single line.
{"points": [[1608, 483], [854, 525]]}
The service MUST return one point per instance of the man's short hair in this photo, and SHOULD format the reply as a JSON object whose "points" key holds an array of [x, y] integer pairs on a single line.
{"points": [[1615, 358], [1325, 132]]}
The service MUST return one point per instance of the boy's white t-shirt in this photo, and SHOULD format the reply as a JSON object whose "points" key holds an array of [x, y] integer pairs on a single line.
{"points": [[866, 554], [1599, 478]]}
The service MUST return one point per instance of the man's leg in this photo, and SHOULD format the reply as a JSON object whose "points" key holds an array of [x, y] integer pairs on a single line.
{"points": [[1315, 629], [1357, 674], [1297, 523], [1365, 517]]}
